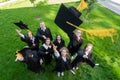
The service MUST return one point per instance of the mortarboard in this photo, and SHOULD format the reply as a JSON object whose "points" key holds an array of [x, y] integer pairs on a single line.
{"points": [[67, 15], [21, 25], [74, 11]]}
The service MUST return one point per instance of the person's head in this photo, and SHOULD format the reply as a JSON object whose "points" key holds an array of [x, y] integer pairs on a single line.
{"points": [[88, 48], [42, 25], [30, 34], [78, 33], [19, 56], [47, 41], [58, 37], [64, 52]]}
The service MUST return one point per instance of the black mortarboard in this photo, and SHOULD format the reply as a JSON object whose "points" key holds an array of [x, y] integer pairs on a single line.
{"points": [[74, 11], [21, 25], [65, 15]]}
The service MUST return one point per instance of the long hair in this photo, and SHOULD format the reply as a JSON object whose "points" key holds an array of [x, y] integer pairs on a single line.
{"points": [[30, 32], [67, 52], [76, 35], [57, 36], [89, 44]]}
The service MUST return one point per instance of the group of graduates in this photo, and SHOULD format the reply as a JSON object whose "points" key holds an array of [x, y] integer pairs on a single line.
{"points": [[35, 55]]}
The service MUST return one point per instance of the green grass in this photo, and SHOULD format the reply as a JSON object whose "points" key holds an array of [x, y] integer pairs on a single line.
{"points": [[106, 53]]}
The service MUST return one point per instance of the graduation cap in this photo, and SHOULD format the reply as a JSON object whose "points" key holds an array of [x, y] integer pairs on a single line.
{"points": [[21, 25], [68, 15], [74, 11]]}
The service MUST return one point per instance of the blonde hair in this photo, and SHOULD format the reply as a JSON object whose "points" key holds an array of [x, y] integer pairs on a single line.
{"points": [[89, 44], [78, 31], [67, 51], [29, 32], [42, 22]]}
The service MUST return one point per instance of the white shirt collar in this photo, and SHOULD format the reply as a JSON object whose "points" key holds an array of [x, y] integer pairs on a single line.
{"points": [[64, 59], [43, 29], [46, 47]]}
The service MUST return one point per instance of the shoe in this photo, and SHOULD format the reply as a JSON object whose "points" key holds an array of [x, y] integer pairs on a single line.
{"points": [[62, 73], [73, 68], [97, 64], [72, 72], [76, 68], [58, 74]]}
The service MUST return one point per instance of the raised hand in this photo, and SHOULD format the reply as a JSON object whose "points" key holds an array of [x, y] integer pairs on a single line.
{"points": [[54, 47], [18, 31]]}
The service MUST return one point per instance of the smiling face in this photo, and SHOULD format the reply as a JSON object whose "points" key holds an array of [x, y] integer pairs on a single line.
{"points": [[88, 48], [19, 57], [47, 42], [58, 37], [63, 52], [30, 34], [42, 25], [78, 33]]}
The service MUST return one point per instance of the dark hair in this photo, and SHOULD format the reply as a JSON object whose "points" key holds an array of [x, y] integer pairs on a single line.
{"points": [[57, 36], [48, 39]]}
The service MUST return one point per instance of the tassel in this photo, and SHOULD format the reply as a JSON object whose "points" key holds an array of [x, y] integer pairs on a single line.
{"points": [[98, 33], [82, 5]]}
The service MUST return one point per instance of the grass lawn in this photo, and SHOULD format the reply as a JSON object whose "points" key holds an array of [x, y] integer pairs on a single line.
{"points": [[106, 53]]}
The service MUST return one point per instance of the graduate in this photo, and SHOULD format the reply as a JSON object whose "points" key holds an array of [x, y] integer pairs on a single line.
{"points": [[34, 63], [65, 19], [43, 32], [84, 55], [31, 40], [20, 55], [30, 57], [46, 51], [59, 42], [63, 61], [76, 42]]}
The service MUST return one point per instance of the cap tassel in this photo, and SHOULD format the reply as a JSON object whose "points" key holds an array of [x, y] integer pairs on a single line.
{"points": [[105, 32], [82, 5]]}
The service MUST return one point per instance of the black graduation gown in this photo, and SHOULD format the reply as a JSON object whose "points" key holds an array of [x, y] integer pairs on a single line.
{"points": [[31, 43], [33, 63], [47, 33], [74, 45], [25, 51], [61, 65], [47, 57], [59, 45], [79, 59]]}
